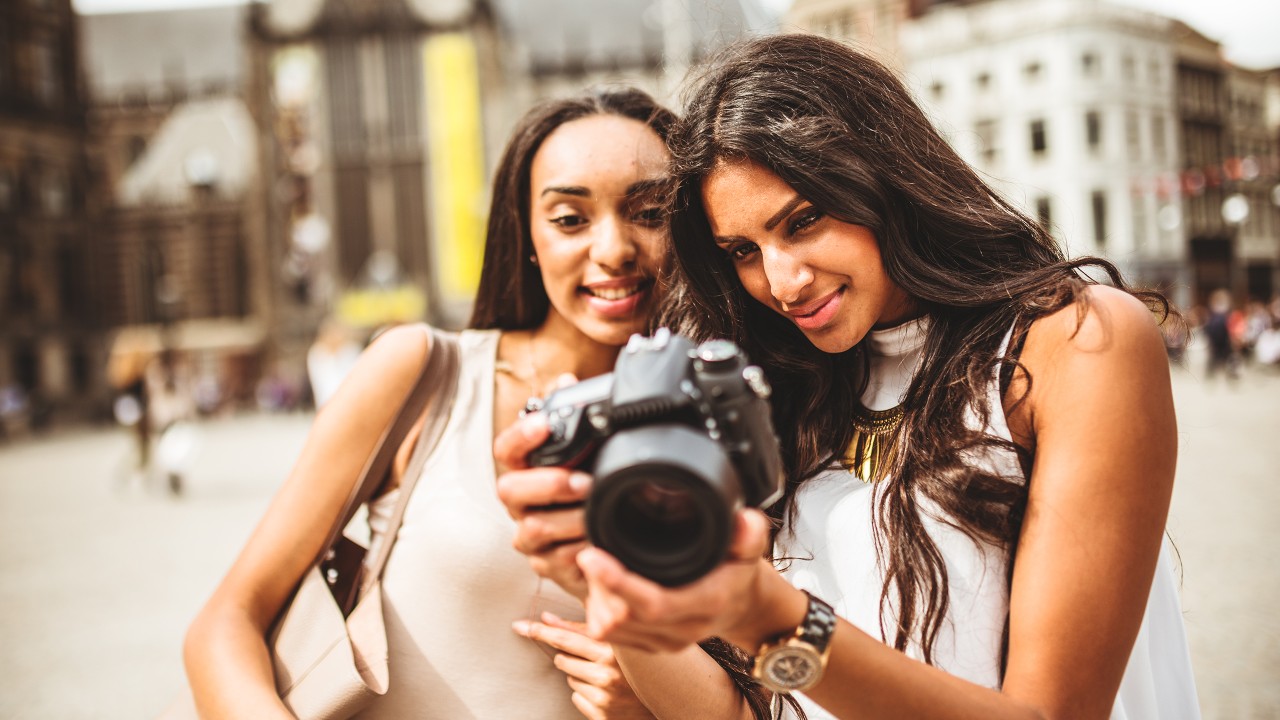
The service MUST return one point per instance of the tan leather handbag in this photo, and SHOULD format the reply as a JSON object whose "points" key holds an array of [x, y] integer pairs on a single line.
{"points": [[329, 644]]}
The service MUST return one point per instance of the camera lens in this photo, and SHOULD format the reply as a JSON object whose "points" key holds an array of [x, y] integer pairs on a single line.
{"points": [[661, 510], [663, 502]]}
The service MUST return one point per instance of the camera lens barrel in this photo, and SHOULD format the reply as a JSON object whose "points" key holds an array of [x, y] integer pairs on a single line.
{"points": [[664, 502]]}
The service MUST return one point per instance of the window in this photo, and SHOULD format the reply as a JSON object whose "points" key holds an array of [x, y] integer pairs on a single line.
{"points": [[988, 140], [1032, 70], [46, 73], [1089, 64], [1127, 67], [982, 80], [1159, 145], [1039, 138], [8, 190], [55, 193], [1098, 201], [937, 89], [1132, 134], [1044, 211], [1139, 223], [1093, 130], [137, 146]]}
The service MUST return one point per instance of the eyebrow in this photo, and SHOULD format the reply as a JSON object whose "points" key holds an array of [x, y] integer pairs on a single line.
{"points": [[567, 190], [786, 210], [640, 187]]}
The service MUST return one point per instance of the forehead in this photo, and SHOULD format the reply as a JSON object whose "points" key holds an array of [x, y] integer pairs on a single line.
{"points": [[600, 146], [737, 191]]}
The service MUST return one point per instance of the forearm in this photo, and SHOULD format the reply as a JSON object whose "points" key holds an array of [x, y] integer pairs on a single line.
{"points": [[229, 669], [684, 684]]}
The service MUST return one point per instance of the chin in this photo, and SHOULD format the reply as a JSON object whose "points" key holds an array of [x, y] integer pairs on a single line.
{"points": [[833, 341]]}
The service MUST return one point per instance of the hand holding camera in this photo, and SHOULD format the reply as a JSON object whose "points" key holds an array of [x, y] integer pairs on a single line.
{"points": [[679, 439]]}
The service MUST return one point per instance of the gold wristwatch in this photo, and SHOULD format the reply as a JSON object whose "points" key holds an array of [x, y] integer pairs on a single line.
{"points": [[794, 662]]}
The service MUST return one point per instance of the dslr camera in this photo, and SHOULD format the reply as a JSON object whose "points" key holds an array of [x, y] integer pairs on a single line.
{"points": [[679, 438]]}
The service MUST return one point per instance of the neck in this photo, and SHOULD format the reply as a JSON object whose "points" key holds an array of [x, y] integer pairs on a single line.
{"points": [[560, 347]]}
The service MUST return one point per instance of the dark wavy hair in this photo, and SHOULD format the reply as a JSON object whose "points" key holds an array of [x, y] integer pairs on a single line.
{"points": [[846, 134], [511, 295]]}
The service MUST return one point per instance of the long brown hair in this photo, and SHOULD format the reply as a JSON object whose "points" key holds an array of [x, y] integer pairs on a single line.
{"points": [[511, 295], [846, 134]]}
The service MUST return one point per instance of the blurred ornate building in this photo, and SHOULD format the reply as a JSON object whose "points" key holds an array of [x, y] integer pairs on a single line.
{"points": [[50, 345], [1070, 104], [382, 119], [179, 267]]}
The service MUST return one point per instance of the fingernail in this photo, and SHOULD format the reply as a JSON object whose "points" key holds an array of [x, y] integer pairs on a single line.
{"points": [[579, 481], [521, 627]]}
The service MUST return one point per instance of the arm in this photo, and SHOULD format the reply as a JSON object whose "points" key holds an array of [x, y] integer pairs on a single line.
{"points": [[547, 506], [225, 652], [1100, 416]]}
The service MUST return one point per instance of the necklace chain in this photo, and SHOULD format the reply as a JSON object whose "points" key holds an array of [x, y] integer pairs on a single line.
{"points": [[531, 377]]}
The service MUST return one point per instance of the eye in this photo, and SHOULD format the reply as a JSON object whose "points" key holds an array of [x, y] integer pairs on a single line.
{"points": [[804, 220], [568, 221], [741, 252], [649, 217]]}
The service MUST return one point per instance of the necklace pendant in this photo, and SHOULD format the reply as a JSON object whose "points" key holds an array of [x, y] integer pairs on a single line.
{"points": [[873, 446]]}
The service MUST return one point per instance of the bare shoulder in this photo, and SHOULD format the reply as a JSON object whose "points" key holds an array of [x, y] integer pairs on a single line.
{"points": [[1106, 342], [1102, 321], [384, 374]]}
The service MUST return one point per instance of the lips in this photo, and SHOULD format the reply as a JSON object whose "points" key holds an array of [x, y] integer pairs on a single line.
{"points": [[616, 298], [817, 313]]}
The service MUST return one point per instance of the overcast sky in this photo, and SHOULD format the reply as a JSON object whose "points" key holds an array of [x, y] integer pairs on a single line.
{"points": [[1246, 28]]}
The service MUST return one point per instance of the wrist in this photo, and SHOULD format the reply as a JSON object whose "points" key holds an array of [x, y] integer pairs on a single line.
{"points": [[775, 607]]}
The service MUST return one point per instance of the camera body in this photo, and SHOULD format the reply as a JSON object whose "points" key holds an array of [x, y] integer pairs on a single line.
{"points": [[679, 439]]}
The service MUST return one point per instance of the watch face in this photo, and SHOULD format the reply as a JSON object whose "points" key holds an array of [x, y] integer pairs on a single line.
{"points": [[791, 667]]}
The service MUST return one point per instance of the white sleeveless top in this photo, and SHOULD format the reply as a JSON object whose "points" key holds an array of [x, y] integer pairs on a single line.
{"points": [[454, 584], [830, 551]]}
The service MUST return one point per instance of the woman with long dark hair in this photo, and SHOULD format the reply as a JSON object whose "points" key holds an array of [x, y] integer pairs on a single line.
{"points": [[576, 242], [980, 438]]}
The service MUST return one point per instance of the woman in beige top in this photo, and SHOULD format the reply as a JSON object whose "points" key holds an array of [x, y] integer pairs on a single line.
{"points": [[576, 239]]}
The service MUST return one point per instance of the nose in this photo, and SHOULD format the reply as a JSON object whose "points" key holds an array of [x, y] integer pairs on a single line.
{"points": [[788, 275], [613, 246]]}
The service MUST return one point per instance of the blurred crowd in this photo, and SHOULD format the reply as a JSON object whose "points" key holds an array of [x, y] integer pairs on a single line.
{"points": [[160, 394], [1234, 336]]}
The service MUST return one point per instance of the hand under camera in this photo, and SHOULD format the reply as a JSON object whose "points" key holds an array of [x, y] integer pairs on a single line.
{"points": [[679, 439]]}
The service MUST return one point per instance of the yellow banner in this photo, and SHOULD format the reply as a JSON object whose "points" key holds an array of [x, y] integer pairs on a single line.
{"points": [[456, 160]]}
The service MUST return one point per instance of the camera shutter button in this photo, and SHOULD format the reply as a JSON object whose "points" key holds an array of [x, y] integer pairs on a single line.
{"points": [[714, 354]]}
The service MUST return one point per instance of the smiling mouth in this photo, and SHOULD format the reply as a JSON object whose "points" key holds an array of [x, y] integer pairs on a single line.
{"points": [[616, 293], [812, 308]]}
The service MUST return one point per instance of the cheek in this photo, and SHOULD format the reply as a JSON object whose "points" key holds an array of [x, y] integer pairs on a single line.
{"points": [[655, 247], [756, 284]]}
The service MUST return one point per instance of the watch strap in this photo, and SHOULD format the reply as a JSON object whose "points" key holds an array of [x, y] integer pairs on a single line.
{"points": [[818, 624]]}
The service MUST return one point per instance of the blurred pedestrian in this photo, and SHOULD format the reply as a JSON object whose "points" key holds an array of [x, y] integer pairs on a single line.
{"points": [[127, 374], [575, 245], [1217, 329], [330, 358]]}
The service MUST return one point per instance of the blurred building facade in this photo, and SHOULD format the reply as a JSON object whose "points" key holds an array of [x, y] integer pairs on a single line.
{"points": [[1125, 132], [180, 267], [50, 342], [382, 121]]}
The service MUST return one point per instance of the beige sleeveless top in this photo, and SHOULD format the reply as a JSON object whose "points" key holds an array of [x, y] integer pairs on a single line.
{"points": [[453, 584]]}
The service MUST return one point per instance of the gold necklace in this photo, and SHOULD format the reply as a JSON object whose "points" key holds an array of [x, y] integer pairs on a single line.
{"points": [[874, 444]]}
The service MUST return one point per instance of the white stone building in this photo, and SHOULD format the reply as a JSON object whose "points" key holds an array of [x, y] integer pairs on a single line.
{"points": [[1068, 105]]}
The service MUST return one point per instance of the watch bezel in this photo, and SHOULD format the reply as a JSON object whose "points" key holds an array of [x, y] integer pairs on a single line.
{"points": [[773, 658]]}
